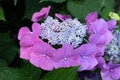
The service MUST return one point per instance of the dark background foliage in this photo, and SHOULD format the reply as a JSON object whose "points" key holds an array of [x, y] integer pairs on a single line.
{"points": [[17, 13]]}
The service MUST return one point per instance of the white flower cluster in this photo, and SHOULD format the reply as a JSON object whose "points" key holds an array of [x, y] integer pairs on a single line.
{"points": [[70, 31], [113, 49]]}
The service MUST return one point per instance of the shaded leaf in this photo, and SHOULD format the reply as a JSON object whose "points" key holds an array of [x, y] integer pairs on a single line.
{"points": [[8, 50], [2, 17], [3, 63], [108, 3], [81, 9], [33, 71], [56, 1], [62, 74], [13, 74], [15, 2]]}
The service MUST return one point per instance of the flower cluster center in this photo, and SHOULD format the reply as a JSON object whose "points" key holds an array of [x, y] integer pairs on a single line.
{"points": [[70, 31]]}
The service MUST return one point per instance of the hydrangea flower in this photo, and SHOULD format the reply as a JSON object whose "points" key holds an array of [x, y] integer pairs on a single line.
{"points": [[92, 17], [69, 31], [110, 71], [105, 36], [87, 54], [42, 55], [113, 49], [28, 39], [62, 17], [38, 46], [99, 27], [43, 13], [112, 25], [66, 57]]}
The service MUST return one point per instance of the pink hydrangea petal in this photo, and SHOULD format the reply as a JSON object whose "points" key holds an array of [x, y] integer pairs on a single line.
{"points": [[62, 64], [58, 55], [66, 63], [43, 13], [58, 64], [91, 17], [23, 31], [39, 60], [109, 37], [86, 49], [68, 48], [36, 29], [62, 17], [99, 26], [65, 51], [116, 73], [101, 41], [27, 41], [90, 29], [87, 54], [92, 62], [84, 64], [112, 24], [81, 50], [75, 62], [101, 51], [101, 62], [25, 53], [106, 75], [37, 16], [43, 48], [65, 57]]}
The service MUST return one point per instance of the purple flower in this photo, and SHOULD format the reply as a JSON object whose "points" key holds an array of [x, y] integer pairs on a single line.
{"points": [[62, 17], [99, 57], [100, 28], [102, 40], [42, 55], [112, 24], [65, 57], [28, 39], [43, 13], [87, 54], [91, 17], [110, 71]]}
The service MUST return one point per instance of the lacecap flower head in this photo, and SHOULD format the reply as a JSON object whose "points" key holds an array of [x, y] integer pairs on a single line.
{"points": [[60, 42]]}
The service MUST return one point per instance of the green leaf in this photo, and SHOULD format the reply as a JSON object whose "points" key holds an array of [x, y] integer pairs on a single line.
{"points": [[15, 2], [105, 13], [56, 1], [8, 50], [2, 17], [32, 6], [108, 3], [13, 74], [62, 74], [80, 9], [33, 71]]}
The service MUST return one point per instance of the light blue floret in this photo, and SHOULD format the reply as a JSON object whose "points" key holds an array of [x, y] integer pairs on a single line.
{"points": [[70, 31], [113, 49]]}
